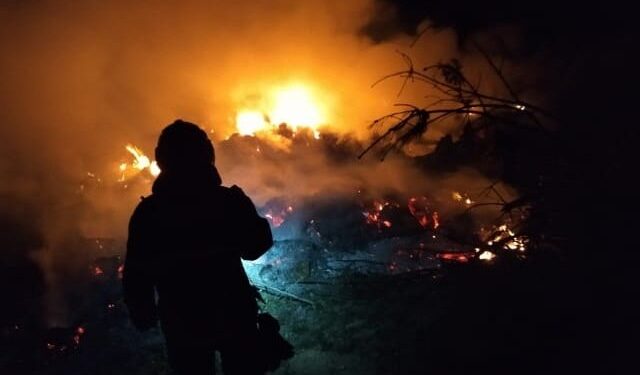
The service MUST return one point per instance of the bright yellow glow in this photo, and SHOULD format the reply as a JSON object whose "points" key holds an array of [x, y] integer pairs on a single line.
{"points": [[141, 160], [487, 255], [250, 122], [154, 169], [295, 106]]}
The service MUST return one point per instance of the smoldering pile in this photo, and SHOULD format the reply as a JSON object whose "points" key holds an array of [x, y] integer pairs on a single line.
{"points": [[333, 213]]}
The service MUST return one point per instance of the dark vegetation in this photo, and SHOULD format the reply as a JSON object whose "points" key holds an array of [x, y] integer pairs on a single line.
{"points": [[566, 306]]}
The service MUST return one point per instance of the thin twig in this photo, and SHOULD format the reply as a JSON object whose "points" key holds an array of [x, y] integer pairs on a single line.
{"points": [[282, 293], [497, 71]]}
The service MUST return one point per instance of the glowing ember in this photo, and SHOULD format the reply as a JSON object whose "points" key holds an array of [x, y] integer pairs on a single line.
{"points": [[420, 208], [61, 341], [97, 271], [463, 198], [374, 214], [277, 214], [454, 256], [78, 335], [506, 237], [486, 255], [120, 271]]}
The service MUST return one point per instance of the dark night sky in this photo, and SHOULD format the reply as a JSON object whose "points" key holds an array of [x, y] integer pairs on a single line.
{"points": [[542, 21]]}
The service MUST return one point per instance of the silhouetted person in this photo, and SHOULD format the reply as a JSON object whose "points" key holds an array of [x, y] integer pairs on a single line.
{"points": [[186, 241]]}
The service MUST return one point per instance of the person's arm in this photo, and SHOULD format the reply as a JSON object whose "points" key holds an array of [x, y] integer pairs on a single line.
{"points": [[255, 237], [137, 281]]}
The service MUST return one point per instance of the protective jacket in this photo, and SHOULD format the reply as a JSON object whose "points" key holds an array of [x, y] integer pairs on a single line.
{"points": [[184, 251]]}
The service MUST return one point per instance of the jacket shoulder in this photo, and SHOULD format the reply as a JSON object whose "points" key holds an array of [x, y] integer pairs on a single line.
{"points": [[233, 192], [144, 207], [233, 189]]}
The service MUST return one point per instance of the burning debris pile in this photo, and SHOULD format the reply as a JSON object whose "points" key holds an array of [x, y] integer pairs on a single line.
{"points": [[360, 222]]}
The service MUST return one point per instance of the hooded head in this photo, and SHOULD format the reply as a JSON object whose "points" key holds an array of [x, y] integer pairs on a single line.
{"points": [[183, 147], [186, 158]]}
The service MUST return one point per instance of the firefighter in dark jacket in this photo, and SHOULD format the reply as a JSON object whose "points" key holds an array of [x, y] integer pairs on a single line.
{"points": [[183, 263]]}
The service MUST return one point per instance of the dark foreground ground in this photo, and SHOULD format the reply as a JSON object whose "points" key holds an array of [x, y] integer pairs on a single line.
{"points": [[507, 316]]}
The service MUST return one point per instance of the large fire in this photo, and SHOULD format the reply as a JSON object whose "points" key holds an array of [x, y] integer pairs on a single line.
{"points": [[249, 122], [297, 105], [300, 108]]}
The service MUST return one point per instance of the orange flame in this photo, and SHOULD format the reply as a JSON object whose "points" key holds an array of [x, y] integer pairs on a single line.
{"points": [[140, 163], [296, 105]]}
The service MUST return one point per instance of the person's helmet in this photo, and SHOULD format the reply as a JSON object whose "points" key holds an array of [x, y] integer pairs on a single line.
{"points": [[184, 146]]}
